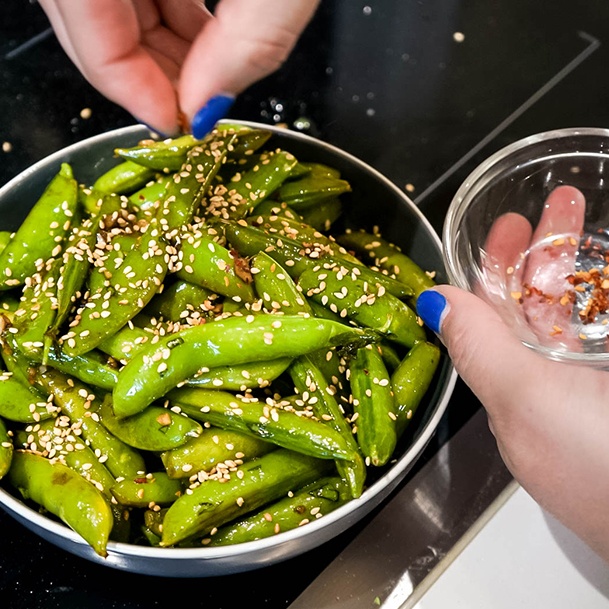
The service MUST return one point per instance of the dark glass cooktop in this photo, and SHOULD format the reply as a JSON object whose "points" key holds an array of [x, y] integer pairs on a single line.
{"points": [[421, 90]]}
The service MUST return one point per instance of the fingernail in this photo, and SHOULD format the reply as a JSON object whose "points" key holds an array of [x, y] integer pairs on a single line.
{"points": [[432, 308], [206, 118]]}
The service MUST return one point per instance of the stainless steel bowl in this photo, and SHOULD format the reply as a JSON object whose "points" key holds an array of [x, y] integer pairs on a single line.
{"points": [[374, 201]]}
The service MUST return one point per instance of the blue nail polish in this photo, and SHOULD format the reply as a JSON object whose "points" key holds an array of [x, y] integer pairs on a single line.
{"points": [[215, 109], [432, 308]]}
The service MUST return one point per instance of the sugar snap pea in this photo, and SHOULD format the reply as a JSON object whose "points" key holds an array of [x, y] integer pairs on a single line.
{"points": [[153, 488], [411, 380], [310, 503], [154, 429], [207, 263], [65, 493], [213, 448], [268, 421], [132, 286], [315, 391], [41, 234], [379, 252], [296, 257], [165, 155], [245, 191], [216, 502], [187, 186], [373, 404], [159, 367], [124, 178], [18, 403], [76, 400], [350, 296]]}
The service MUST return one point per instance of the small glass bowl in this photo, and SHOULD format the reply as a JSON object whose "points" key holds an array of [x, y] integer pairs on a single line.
{"points": [[528, 231]]}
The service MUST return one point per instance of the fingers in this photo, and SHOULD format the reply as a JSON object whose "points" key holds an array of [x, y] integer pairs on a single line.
{"points": [[244, 42], [102, 37], [550, 419], [504, 250]]}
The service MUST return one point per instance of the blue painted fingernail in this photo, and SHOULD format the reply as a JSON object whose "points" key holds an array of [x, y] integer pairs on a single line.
{"points": [[215, 109], [432, 308]]}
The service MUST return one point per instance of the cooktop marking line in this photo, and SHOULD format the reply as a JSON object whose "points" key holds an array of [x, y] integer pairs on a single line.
{"points": [[28, 44], [593, 45]]}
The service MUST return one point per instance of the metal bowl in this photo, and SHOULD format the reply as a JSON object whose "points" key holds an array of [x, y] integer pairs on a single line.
{"points": [[375, 201]]}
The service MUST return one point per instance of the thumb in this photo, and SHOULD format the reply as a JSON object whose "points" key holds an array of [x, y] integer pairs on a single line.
{"points": [[244, 42], [489, 358]]}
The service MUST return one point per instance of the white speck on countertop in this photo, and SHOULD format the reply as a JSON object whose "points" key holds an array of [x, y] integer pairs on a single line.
{"points": [[367, 10], [6, 146], [458, 37]]}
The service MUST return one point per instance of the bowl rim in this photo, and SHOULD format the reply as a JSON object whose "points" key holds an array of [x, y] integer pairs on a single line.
{"points": [[457, 208], [390, 478]]}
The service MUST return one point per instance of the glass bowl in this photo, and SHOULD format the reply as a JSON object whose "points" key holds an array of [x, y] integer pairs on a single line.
{"points": [[528, 231]]}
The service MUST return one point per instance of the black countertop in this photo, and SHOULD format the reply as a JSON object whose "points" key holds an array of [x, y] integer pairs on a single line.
{"points": [[422, 91]]}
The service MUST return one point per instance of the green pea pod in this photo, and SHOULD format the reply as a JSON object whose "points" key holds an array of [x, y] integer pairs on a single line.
{"points": [[187, 187], [368, 304], [76, 264], [133, 284], [209, 264], [6, 449], [240, 378], [147, 199], [124, 178], [214, 447], [84, 461], [154, 429], [312, 189], [41, 233], [378, 252], [214, 502], [374, 405], [166, 155], [247, 141], [269, 422], [303, 233], [315, 390], [307, 505], [296, 258], [76, 401], [91, 368], [411, 379], [126, 341], [18, 403], [317, 170], [66, 494], [161, 366], [323, 215], [276, 288], [180, 300], [245, 191], [153, 488], [37, 312], [269, 207]]}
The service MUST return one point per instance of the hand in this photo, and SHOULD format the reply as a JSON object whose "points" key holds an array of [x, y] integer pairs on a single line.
{"points": [[550, 419], [161, 58]]}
